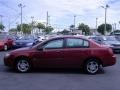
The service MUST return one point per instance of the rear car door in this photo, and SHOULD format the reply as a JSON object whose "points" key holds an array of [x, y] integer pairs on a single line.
{"points": [[76, 52]]}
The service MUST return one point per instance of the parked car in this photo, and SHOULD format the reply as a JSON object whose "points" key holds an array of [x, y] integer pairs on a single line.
{"points": [[24, 42], [62, 52], [6, 42], [109, 41]]}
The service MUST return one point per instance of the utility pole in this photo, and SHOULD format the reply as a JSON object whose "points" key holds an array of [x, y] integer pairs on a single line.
{"points": [[1, 16], [115, 25], [96, 25], [32, 25], [21, 7], [47, 19], [74, 21], [9, 24], [105, 15]]}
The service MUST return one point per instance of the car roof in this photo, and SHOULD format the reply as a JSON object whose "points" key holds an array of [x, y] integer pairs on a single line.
{"points": [[69, 36]]}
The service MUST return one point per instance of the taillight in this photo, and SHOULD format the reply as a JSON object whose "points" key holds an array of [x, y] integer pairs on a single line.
{"points": [[110, 50]]}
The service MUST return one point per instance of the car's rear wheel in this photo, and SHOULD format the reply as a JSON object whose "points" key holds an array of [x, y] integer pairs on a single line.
{"points": [[5, 47], [23, 65], [92, 66]]}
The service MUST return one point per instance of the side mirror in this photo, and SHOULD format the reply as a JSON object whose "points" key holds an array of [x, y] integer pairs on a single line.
{"points": [[40, 48], [9, 39]]}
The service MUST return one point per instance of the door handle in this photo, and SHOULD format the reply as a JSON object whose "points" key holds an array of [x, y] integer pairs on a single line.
{"points": [[57, 51]]}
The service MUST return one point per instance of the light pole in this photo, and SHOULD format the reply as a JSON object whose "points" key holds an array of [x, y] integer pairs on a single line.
{"points": [[21, 7], [105, 7]]}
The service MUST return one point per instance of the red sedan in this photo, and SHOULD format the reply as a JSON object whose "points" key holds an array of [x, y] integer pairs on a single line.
{"points": [[62, 52], [5, 42]]}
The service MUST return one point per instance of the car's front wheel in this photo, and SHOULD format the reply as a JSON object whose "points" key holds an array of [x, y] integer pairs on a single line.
{"points": [[92, 66], [23, 65]]}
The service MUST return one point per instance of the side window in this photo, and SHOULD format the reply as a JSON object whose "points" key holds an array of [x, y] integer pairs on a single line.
{"points": [[86, 43], [54, 44], [73, 42]]}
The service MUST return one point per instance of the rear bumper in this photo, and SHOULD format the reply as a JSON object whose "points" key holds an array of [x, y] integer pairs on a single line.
{"points": [[111, 61]]}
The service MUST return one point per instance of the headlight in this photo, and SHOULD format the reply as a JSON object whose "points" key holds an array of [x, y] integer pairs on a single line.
{"points": [[7, 55], [29, 44], [14, 43]]}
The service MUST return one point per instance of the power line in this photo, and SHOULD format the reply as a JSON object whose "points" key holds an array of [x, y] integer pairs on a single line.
{"points": [[8, 6], [15, 19]]}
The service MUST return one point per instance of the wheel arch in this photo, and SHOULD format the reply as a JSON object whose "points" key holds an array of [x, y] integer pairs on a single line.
{"points": [[95, 58], [25, 57]]}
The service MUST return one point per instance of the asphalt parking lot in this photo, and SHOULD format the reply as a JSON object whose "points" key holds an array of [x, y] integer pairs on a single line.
{"points": [[109, 79]]}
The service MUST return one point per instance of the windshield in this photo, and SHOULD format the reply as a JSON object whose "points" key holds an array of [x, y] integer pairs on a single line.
{"points": [[109, 38], [26, 38]]}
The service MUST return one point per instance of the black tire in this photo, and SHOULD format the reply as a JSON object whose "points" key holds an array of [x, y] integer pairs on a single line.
{"points": [[22, 65], [91, 66]]}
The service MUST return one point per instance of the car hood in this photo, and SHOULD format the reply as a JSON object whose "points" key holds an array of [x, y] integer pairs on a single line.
{"points": [[21, 50], [24, 41]]}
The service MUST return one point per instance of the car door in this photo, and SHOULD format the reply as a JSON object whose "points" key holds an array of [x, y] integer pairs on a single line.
{"points": [[50, 54], [76, 52]]}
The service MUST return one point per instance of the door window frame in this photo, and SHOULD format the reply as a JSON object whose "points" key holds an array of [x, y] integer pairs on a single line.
{"points": [[77, 46]]}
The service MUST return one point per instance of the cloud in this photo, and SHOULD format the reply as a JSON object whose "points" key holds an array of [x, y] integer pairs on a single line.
{"points": [[61, 12]]}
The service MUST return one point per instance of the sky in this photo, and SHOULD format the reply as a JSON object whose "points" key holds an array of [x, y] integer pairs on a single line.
{"points": [[61, 12]]}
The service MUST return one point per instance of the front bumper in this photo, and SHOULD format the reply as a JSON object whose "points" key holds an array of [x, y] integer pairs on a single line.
{"points": [[1, 47], [9, 61]]}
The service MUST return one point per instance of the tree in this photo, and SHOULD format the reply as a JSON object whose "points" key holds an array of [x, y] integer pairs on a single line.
{"points": [[64, 32], [2, 27], [33, 25], [19, 28], [48, 29], [26, 29], [13, 30], [40, 26], [101, 28], [85, 28], [72, 27]]}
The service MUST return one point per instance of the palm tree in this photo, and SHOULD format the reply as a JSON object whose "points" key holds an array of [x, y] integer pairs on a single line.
{"points": [[40, 26]]}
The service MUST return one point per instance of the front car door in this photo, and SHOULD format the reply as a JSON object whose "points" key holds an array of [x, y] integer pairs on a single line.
{"points": [[51, 54]]}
